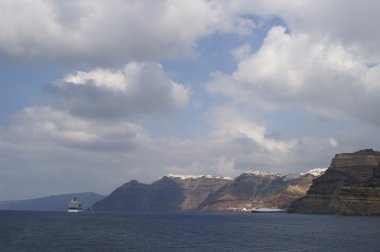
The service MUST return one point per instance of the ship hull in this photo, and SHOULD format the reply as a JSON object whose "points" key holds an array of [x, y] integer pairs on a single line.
{"points": [[268, 210], [74, 210]]}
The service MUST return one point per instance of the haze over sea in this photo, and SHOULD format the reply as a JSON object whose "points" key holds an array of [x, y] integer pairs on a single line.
{"points": [[185, 231]]}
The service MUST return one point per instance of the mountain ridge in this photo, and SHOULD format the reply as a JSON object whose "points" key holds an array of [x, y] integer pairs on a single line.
{"points": [[206, 192]]}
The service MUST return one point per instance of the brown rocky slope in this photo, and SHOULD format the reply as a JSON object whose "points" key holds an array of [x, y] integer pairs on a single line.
{"points": [[255, 189], [350, 186]]}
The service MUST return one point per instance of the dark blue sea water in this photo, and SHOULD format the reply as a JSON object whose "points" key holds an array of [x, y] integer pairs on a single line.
{"points": [[189, 231]]}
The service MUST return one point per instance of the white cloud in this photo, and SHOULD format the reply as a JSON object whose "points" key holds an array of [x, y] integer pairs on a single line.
{"points": [[98, 32], [333, 142], [242, 51], [232, 121], [137, 89], [92, 31], [348, 22], [298, 69], [45, 126]]}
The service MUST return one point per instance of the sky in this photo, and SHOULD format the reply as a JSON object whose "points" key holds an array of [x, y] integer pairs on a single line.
{"points": [[96, 93]]}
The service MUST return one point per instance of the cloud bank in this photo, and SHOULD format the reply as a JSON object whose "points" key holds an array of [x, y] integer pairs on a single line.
{"points": [[97, 32], [301, 70]]}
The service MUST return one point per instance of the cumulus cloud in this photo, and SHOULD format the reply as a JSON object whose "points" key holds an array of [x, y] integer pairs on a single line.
{"points": [[313, 72], [227, 119], [98, 32], [137, 89], [54, 127], [348, 22]]}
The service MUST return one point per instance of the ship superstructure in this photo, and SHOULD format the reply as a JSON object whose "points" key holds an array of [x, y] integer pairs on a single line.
{"points": [[75, 206]]}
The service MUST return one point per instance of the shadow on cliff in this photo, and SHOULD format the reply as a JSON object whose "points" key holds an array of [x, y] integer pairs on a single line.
{"points": [[163, 195]]}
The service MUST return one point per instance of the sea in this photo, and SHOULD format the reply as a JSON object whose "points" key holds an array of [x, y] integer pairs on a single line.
{"points": [[186, 231]]}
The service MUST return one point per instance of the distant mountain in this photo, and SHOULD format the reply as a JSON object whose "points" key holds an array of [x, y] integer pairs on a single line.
{"points": [[178, 192], [52, 203], [350, 186]]}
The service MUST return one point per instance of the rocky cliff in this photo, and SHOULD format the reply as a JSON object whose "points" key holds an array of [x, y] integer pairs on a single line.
{"points": [[174, 192], [257, 189], [197, 189], [351, 186]]}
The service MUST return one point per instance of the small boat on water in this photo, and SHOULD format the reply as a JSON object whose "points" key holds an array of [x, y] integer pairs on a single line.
{"points": [[268, 210], [74, 206]]}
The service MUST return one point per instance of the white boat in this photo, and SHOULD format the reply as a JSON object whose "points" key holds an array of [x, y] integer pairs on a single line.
{"points": [[268, 210], [74, 206]]}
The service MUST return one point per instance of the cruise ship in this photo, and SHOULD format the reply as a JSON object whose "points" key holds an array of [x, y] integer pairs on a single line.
{"points": [[74, 206]]}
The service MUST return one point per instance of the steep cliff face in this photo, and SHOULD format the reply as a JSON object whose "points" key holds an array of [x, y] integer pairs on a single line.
{"points": [[351, 186], [254, 190], [196, 190]]}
